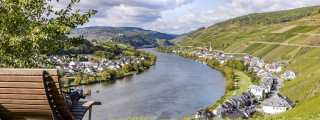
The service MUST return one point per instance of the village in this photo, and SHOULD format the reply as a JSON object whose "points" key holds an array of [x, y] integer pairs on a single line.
{"points": [[246, 104], [73, 65]]}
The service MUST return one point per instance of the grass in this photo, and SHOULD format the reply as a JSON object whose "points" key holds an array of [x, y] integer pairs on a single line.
{"points": [[262, 52], [243, 81], [306, 67], [279, 37], [294, 52], [253, 47], [304, 109], [302, 29], [130, 73], [298, 39], [233, 47], [280, 53], [311, 40], [306, 88]]}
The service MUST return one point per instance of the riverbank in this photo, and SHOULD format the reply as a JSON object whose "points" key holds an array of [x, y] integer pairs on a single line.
{"points": [[131, 64]]}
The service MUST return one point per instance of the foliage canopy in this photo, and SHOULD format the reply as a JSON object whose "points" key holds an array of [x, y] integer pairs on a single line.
{"points": [[31, 30]]}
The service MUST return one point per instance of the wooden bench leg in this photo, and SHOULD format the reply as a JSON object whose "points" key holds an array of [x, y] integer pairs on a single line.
{"points": [[90, 113]]}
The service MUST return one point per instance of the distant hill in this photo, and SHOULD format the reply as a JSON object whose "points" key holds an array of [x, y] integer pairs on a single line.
{"points": [[106, 33], [290, 35], [136, 37], [136, 40]]}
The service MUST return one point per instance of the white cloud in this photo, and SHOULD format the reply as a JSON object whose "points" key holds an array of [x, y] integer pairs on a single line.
{"points": [[189, 7], [233, 8], [147, 13]]}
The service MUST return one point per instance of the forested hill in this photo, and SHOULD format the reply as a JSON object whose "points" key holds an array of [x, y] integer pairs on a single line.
{"points": [[106, 33], [273, 17], [136, 40], [292, 36]]}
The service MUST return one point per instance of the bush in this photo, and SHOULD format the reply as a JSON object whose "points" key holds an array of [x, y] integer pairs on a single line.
{"points": [[92, 79], [77, 80]]}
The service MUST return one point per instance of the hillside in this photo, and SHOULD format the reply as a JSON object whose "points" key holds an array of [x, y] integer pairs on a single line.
{"points": [[291, 35], [106, 33], [136, 40]]}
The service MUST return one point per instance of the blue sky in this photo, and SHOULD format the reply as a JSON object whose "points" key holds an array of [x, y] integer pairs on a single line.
{"points": [[177, 16]]}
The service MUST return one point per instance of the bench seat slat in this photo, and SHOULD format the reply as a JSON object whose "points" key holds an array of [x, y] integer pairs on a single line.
{"points": [[11, 71], [23, 96], [25, 110], [29, 91], [6, 78], [18, 106], [25, 115], [26, 102], [23, 85], [21, 91], [27, 97]]}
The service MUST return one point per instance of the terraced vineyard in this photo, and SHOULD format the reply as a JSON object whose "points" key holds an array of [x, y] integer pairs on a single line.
{"points": [[296, 40]]}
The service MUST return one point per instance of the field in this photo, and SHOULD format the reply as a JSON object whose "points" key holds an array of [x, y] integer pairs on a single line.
{"points": [[243, 81]]}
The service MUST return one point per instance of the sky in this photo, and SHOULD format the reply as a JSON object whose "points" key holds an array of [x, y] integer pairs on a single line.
{"points": [[177, 16]]}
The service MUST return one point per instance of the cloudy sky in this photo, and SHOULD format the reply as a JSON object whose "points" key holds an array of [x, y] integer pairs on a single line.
{"points": [[178, 16]]}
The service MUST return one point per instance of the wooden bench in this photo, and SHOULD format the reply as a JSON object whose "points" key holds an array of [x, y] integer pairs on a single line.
{"points": [[36, 94]]}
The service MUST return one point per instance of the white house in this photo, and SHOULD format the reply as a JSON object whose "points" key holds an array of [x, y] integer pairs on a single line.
{"points": [[73, 65], [89, 70], [260, 63], [257, 91], [277, 104], [261, 72], [267, 83], [257, 62], [273, 68], [289, 74]]}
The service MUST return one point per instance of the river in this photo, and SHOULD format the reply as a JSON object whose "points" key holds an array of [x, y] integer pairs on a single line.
{"points": [[174, 88]]}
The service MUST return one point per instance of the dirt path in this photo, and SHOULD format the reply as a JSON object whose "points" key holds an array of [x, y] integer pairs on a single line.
{"points": [[235, 87]]}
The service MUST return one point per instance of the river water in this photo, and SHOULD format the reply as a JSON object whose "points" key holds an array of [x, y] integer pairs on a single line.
{"points": [[174, 88]]}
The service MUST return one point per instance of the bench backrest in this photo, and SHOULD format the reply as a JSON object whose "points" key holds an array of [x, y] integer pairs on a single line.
{"points": [[32, 93]]}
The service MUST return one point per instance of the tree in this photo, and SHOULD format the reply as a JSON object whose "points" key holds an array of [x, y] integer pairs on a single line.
{"points": [[127, 67], [136, 53], [229, 85], [136, 67], [61, 72], [65, 80], [31, 30], [92, 79], [119, 74], [105, 75], [77, 80], [85, 79]]}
